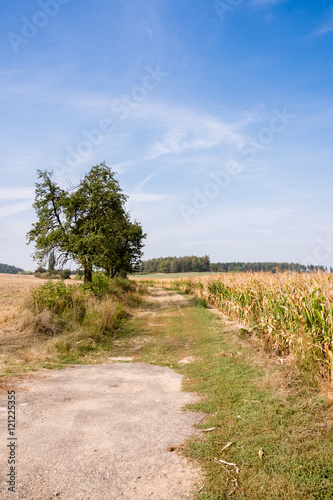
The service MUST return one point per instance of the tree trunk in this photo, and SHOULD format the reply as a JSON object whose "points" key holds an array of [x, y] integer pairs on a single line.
{"points": [[88, 274]]}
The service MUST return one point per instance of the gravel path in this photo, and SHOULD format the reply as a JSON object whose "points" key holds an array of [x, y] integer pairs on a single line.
{"points": [[100, 432]]}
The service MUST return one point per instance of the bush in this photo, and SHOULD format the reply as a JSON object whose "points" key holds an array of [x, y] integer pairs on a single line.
{"points": [[125, 284], [40, 270], [65, 274], [99, 286], [58, 297]]}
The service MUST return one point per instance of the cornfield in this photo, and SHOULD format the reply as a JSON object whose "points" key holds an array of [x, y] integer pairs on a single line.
{"points": [[290, 312]]}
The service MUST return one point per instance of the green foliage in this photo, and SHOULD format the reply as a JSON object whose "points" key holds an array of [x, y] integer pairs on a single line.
{"points": [[71, 300], [52, 263], [272, 267], [79, 319], [65, 274], [201, 302], [100, 285], [40, 270], [203, 264], [88, 224], [104, 318], [78, 272], [58, 297]]}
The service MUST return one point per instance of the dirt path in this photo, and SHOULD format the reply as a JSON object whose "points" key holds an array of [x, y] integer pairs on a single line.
{"points": [[102, 432]]}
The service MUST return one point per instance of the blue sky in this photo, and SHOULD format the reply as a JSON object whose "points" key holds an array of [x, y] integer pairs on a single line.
{"points": [[216, 116]]}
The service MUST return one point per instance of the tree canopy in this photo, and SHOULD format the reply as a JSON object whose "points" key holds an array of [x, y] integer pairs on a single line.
{"points": [[87, 224]]}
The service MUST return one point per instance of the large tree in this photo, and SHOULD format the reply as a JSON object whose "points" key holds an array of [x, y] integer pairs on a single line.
{"points": [[88, 224]]}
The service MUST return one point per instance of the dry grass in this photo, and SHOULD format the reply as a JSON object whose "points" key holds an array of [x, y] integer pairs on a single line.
{"points": [[54, 327], [14, 290]]}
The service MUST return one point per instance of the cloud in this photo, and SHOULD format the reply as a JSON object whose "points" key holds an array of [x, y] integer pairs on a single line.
{"points": [[327, 26], [194, 133], [324, 30], [149, 31], [150, 176], [19, 193], [15, 208], [267, 2], [144, 197]]}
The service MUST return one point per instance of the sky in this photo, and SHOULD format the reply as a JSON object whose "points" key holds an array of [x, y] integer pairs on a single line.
{"points": [[216, 116]]}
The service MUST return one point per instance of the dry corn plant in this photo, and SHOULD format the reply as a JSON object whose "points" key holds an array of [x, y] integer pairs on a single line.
{"points": [[290, 312]]}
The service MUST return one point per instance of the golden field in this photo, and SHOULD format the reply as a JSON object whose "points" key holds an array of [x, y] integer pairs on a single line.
{"points": [[14, 290]]}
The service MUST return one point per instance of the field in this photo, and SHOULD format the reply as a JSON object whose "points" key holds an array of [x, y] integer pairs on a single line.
{"points": [[267, 432], [289, 312], [13, 291]]}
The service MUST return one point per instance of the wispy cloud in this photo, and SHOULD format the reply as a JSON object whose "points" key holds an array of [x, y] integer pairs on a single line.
{"points": [[144, 197], [15, 208], [267, 2], [150, 176], [327, 26], [324, 30], [195, 133], [19, 193]]}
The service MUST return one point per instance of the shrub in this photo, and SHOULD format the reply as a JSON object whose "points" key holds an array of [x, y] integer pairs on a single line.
{"points": [[65, 274], [40, 270], [58, 297], [99, 286]]}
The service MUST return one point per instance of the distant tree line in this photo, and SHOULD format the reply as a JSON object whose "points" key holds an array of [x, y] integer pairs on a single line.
{"points": [[175, 265], [203, 264], [272, 267], [5, 268], [182, 265]]}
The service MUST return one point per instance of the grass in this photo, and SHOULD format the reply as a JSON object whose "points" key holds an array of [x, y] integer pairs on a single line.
{"points": [[59, 324], [249, 400]]}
